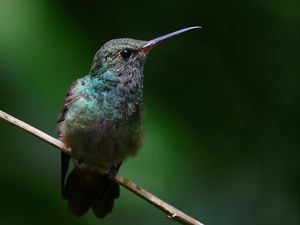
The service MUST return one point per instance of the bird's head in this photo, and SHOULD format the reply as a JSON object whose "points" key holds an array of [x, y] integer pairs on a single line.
{"points": [[125, 56], [121, 57]]}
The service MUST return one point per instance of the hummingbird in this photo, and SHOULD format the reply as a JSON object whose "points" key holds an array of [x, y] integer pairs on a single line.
{"points": [[101, 122]]}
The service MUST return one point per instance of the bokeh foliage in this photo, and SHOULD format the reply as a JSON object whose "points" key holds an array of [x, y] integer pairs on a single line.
{"points": [[222, 107]]}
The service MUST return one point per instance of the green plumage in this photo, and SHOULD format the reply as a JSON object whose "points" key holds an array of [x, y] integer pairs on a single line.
{"points": [[101, 122]]}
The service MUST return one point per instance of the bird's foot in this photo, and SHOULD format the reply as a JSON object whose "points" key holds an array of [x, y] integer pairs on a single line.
{"points": [[113, 172]]}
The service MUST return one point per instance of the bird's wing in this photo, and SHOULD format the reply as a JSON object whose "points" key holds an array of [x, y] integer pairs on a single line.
{"points": [[70, 97]]}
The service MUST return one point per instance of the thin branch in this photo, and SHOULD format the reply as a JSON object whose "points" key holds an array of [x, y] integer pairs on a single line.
{"points": [[170, 211]]}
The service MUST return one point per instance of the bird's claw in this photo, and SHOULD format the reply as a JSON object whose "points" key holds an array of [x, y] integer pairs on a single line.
{"points": [[112, 172]]}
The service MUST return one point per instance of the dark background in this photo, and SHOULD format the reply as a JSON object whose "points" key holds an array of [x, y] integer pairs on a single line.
{"points": [[222, 107]]}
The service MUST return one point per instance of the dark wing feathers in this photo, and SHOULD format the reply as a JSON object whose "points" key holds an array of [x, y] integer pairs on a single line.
{"points": [[70, 97], [64, 157]]}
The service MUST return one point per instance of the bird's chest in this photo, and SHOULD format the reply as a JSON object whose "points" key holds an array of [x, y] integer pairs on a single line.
{"points": [[102, 141]]}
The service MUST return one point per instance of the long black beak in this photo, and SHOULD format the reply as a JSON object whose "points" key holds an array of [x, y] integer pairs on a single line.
{"points": [[150, 44]]}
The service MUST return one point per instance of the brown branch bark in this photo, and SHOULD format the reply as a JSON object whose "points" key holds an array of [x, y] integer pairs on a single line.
{"points": [[169, 210]]}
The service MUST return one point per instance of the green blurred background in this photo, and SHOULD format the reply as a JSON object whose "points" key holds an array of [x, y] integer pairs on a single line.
{"points": [[222, 107]]}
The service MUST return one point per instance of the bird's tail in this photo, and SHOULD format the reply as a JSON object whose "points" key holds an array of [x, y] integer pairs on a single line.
{"points": [[86, 188]]}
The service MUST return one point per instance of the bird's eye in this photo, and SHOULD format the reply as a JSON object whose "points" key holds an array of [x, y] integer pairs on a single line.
{"points": [[126, 53]]}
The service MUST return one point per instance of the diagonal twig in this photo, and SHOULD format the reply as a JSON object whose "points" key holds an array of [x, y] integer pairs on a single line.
{"points": [[170, 211]]}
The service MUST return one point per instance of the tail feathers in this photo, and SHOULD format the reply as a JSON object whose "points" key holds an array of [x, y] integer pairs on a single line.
{"points": [[86, 188], [105, 202]]}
